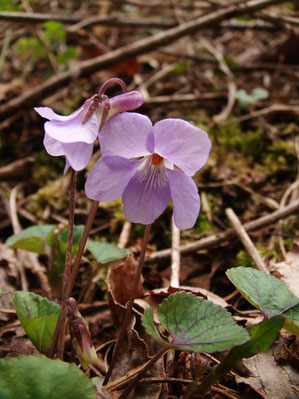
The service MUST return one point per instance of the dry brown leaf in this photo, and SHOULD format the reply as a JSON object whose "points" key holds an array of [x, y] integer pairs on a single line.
{"points": [[120, 280], [272, 380], [288, 271]]}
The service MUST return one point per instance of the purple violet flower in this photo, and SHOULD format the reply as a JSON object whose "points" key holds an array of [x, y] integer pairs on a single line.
{"points": [[74, 135], [147, 165]]}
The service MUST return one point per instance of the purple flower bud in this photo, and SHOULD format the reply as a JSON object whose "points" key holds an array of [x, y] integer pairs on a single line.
{"points": [[80, 334]]}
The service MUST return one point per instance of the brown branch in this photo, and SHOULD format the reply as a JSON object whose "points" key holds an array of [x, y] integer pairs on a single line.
{"points": [[246, 240], [84, 22], [227, 236], [165, 37]]}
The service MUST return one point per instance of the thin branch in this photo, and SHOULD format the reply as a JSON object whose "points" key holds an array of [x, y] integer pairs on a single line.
{"points": [[225, 237], [85, 68], [175, 255], [246, 240], [79, 23]]}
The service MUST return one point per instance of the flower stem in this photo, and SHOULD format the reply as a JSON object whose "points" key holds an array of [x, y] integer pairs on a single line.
{"points": [[110, 82], [142, 372], [75, 268], [125, 322], [59, 334]]}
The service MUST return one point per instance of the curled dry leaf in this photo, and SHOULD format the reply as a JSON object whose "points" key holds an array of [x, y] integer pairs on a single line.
{"points": [[120, 279]]}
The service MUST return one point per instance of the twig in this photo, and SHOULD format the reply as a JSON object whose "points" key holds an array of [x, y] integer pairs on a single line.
{"points": [[165, 37], [125, 234], [79, 23], [227, 236], [231, 83], [294, 109], [175, 256], [126, 320], [293, 187], [244, 237], [178, 98], [279, 19], [141, 373]]}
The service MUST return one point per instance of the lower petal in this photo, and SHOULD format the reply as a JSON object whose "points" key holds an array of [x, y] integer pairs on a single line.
{"points": [[185, 198], [143, 202], [77, 154], [109, 177]]}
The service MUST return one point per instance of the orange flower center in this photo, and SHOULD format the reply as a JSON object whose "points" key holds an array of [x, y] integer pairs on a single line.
{"points": [[156, 159]]}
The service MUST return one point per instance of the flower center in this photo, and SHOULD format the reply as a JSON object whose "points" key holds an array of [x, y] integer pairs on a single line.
{"points": [[156, 159]]}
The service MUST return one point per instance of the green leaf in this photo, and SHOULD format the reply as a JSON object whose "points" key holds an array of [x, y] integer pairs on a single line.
{"points": [[262, 337], [104, 253], [77, 235], [267, 293], [260, 94], [246, 99], [38, 317], [32, 239], [54, 31], [194, 324], [30, 377]]}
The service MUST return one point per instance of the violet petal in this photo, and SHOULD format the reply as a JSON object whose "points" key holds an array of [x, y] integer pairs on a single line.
{"points": [[128, 135], [185, 198], [73, 130], [77, 154], [109, 177], [52, 146], [48, 113], [145, 199], [185, 145]]}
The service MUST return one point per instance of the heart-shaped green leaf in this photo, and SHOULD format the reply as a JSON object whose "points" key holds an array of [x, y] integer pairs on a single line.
{"points": [[38, 317], [29, 377], [32, 239], [104, 253], [267, 293], [194, 324]]}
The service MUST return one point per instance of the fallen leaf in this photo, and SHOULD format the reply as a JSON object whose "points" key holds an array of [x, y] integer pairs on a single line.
{"points": [[272, 380]]}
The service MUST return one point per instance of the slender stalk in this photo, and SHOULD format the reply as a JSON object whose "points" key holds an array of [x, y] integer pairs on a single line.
{"points": [[125, 322], [81, 247], [142, 372], [59, 335]]}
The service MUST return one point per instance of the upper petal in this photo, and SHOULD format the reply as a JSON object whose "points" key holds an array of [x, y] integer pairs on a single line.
{"points": [[72, 130], [128, 135], [48, 113], [145, 199], [185, 145], [109, 177], [77, 154], [185, 198]]}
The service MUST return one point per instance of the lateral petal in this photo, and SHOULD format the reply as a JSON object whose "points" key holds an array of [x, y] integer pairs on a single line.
{"points": [[109, 177]]}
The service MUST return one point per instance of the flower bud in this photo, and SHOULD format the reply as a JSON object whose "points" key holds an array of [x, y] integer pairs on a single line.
{"points": [[125, 102], [81, 338]]}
